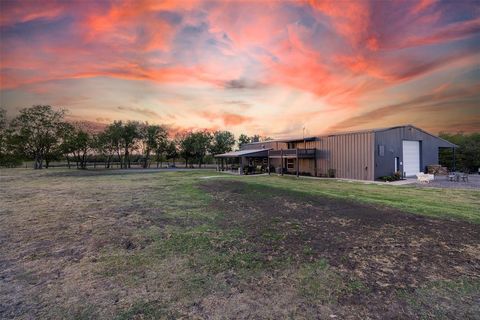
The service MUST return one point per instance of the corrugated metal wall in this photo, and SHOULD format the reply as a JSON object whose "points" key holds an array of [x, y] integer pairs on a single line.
{"points": [[354, 155], [351, 155], [392, 139]]}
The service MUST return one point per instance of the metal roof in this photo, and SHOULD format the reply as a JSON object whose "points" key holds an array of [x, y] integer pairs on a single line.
{"points": [[243, 153], [327, 134], [310, 138], [386, 129]]}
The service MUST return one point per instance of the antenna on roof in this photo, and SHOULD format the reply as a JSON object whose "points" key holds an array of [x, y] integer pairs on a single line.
{"points": [[304, 143]]}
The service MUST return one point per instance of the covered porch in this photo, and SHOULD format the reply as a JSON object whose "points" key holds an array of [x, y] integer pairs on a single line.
{"points": [[253, 161], [294, 161]]}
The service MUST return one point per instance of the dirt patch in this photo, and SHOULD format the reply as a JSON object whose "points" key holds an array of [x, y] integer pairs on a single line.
{"points": [[91, 245], [386, 249]]}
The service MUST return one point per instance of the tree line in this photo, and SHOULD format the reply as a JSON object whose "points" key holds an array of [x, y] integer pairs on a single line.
{"points": [[41, 133], [467, 153]]}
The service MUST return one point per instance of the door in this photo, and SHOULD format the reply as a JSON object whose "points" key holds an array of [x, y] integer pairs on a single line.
{"points": [[411, 157], [397, 161]]}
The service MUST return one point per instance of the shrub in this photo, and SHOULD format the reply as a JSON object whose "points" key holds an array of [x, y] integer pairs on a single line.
{"points": [[10, 161], [386, 178], [331, 173]]}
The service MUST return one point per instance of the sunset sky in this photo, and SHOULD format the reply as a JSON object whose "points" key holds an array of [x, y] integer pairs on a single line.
{"points": [[258, 67]]}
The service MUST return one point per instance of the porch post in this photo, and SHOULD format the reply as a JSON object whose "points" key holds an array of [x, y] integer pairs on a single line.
{"points": [[281, 157], [454, 166], [268, 162], [241, 165], [298, 164]]}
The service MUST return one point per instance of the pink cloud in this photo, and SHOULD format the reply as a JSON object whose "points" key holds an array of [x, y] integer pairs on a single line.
{"points": [[228, 118], [351, 19], [448, 33], [422, 5], [336, 54], [23, 11]]}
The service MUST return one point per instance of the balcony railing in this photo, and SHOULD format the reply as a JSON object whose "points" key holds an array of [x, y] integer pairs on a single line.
{"points": [[292, 153]]}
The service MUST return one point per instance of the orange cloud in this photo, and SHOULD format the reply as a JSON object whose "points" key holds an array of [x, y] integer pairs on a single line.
{"points": [[229, 119], [131, 23], [321, 58]]}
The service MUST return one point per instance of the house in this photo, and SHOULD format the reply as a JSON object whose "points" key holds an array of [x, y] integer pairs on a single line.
{"points": [[362, 155]]}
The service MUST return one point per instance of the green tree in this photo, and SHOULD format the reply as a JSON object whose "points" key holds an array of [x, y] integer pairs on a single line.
{"points": [[222, 142], [104, 146], [9, 155], [67, 136], [201, 145], [152, 138], [171, 151], [83, 142], [255, 138], [185, 142], [77, 141], [112, 136], [243, 139], [467, 155], [37, 131], [3, 136], [129, 135]]}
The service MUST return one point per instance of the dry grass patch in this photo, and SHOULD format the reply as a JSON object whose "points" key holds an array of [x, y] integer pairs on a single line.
{"points": [[163, 245]]}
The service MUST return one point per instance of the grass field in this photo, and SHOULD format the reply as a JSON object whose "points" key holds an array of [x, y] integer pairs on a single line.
{"points": [[157, 245]]}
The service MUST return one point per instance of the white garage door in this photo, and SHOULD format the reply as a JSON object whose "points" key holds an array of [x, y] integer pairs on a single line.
{"points": [[411, 157]]}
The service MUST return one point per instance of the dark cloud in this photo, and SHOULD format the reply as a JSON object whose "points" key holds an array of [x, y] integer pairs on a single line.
{"points": [[142, 111], [242, 84]]}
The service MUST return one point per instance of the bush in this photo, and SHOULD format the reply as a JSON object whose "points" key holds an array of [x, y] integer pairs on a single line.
{"points": [[10, 161], [386, 178], [331, 173], [394, 177]]}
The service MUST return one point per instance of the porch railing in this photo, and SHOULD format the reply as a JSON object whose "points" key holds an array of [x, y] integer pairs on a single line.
{"points": [[292, 153]]}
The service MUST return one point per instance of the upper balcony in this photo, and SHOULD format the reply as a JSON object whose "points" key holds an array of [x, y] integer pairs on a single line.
{"points": [[292, 153]]}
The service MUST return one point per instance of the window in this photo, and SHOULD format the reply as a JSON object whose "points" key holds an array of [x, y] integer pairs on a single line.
{"points": [[290, 164], [381, 150]]}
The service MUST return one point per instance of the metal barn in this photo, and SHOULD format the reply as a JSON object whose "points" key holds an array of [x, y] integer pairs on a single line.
{"points": [[362, 155]]}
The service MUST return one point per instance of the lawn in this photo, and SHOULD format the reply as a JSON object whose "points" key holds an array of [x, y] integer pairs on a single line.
{"points": [[147, 245]]}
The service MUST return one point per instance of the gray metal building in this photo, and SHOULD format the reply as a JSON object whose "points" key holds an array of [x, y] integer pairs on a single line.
{"points": [[362, 155], [407, 149]]}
